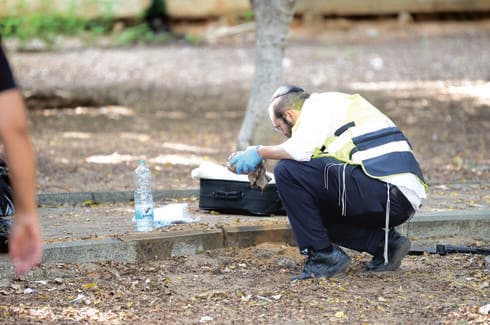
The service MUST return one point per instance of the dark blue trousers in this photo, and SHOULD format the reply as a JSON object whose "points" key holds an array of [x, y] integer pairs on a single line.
{"points": [[328, 202]]}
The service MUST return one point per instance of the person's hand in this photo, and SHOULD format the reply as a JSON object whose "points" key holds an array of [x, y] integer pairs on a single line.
{"points": [[25, 244], [246, 161]]}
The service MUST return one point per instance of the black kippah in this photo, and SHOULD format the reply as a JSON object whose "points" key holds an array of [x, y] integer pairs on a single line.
{"points": [[284, 90]]}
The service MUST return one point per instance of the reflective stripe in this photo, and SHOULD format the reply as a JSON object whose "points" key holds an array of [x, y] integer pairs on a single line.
{"points": [[398, 146]]}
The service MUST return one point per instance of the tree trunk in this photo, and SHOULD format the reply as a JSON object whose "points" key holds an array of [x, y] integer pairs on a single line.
{"points": [[272, 19]]}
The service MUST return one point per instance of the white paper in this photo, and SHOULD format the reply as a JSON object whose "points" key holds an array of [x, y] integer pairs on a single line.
{"points": [[174, 213]]}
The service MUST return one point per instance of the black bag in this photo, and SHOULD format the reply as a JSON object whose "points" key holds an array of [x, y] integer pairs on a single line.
{"points": [[6, 200], [237, 197], [6, 206]]}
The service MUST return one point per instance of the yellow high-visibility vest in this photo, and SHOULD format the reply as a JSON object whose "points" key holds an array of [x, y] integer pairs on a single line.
{"points": [[368, 138]]}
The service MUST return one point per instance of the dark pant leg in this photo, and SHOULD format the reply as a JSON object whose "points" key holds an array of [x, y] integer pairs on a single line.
{"points": [[328, 201], [299, 185]]}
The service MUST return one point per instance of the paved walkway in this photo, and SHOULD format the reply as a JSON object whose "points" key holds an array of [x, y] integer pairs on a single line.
{"points": [[80, 218]]}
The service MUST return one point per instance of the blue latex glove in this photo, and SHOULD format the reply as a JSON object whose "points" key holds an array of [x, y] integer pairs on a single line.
{"points": [[246, 161]]}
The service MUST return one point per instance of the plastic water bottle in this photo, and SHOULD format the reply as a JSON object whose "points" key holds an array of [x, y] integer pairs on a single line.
{"points": [[143, 198]]}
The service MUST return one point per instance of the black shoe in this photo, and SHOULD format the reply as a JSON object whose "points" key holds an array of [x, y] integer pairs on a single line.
{"points": [[321, 264], [398, 247]]}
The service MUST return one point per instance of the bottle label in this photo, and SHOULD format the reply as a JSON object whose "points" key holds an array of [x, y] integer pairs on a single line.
{"points": [[144, 217]]}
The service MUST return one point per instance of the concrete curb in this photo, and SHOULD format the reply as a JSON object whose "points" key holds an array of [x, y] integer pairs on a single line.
{"points": [[105, 197], [143, 247], [154, 246], [469, 223]]}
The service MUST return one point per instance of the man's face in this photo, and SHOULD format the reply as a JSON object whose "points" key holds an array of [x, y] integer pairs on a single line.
{"points": [[283, 125]]}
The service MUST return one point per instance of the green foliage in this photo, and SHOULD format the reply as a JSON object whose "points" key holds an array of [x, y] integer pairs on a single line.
{"points": [[193, 39], [248, 15], [46, 27], [141, 33]]}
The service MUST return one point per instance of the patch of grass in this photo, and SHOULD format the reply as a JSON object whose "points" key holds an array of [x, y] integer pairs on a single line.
{"points": [[151, 26], [47, 27], [248, 15], [193, 39], [141, 33], [138, 33]]}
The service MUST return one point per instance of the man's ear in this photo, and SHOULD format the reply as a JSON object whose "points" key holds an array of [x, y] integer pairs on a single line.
{"points": [[291, 115]]}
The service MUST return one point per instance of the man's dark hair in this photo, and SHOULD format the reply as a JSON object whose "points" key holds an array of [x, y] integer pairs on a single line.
{"points": [[286, 98]]}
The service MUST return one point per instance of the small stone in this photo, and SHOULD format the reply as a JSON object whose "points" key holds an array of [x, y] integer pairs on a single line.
{"points": [[485, 310], [286, 263], [487, 262], [263, 253], [29, 291], [205, 319], [4, 283]]}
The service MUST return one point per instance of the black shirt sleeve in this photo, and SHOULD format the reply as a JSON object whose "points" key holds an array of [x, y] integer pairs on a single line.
{"points": [[6, 77]]}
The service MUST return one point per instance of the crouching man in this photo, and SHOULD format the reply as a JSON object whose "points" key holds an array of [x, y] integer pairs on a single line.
{"points": [[346, 177]]}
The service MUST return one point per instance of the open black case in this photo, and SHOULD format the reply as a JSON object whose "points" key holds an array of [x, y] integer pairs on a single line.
{"points": [[223, 191]]}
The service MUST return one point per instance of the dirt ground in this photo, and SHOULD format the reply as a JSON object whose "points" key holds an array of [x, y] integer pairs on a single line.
{"points": [[179, 105], [250, 286]]}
